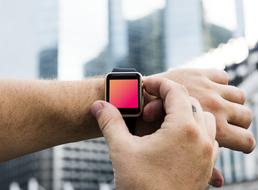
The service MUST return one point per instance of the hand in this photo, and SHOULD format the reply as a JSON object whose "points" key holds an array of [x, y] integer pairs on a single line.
{"points": [[211, 88], [179, 155]]}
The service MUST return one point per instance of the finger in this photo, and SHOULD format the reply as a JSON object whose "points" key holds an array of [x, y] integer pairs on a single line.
{"points": [[198, 112], [154, 111], [239, 115], [147, 97], [217, 179], [236, 138], [175, 96], [231, 93], [110, 122], [215, 151], [210, 124], [218, 76]]}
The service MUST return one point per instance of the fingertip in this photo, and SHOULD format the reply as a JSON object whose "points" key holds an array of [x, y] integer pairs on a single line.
{"points": [[96, 107], [252, 143], [99, 105], [217, 179], [153, 111]]}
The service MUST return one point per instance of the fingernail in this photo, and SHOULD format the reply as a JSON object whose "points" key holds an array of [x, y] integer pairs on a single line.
{"points": [[96, 107]]}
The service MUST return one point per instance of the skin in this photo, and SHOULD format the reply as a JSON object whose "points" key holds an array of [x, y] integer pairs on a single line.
{"points": [[50, 113], [183, 148], [226, 102]]}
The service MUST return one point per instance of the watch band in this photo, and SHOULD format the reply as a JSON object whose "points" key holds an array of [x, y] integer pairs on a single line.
{"points": [[117, 69], [130, 121]]}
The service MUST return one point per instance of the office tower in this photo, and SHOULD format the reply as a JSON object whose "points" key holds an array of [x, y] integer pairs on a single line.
{"points": [[19, 42], [132, 43], [146, 43], [48, 63], [183, 31], [117, 35], [83, 165], [28, 41], [240, 18]]}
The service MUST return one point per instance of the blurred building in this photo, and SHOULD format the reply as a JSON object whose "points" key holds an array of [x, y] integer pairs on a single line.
{"points": [[48, 63], [136, 43], [236, 166], [83, 165], [28, 38], [164, 38], [183, 31], [146, 43], [18, 48]]}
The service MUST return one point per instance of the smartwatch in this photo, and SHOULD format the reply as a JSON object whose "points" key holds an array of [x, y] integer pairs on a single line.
{"points": [[123, 89]]}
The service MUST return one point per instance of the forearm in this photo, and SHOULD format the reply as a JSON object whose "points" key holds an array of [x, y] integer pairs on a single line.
{"points": [[35, 115]]}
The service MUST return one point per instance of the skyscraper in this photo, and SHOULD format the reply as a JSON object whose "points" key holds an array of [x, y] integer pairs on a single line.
{"points": [[132, 43], [183, 31], [28, 49]]}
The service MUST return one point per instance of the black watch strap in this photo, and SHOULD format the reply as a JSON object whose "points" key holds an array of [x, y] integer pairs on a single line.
{"points": [[117, 69], [130, 121]]}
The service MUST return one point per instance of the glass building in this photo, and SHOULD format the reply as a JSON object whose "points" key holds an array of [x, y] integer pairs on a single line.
{"points": [[168, 35]]}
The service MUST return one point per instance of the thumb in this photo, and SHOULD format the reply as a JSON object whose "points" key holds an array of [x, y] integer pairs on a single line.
{"points": [[110, 122]]}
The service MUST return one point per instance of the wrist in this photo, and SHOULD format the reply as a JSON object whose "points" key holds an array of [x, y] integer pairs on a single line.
{"points": [[70, 107]]}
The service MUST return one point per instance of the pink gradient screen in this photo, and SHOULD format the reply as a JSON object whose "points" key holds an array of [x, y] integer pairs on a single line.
{"points": [[124, 93]]}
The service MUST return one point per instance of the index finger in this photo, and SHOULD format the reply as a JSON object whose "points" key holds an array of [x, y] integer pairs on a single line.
{"points": [[175, 97]]}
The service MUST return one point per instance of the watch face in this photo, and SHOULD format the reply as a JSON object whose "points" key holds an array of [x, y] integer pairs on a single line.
{"points": [[124, 91]]}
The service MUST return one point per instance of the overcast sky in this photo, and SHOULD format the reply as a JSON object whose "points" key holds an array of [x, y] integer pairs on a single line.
{"points": [[83, 26]]}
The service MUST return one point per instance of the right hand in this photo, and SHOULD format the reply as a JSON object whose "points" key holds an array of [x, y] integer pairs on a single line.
{"points": [[179, 155]]}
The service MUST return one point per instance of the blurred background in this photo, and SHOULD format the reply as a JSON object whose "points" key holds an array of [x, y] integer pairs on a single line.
{"points": [[75, 39]]}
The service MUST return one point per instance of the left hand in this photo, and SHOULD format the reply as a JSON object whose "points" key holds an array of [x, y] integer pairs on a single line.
{"points": [[226, 102], [211, 88]]}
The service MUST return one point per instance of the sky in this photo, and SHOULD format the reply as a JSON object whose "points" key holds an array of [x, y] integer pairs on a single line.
{"points": [[83, 28], [221, 12], [82, 34]]}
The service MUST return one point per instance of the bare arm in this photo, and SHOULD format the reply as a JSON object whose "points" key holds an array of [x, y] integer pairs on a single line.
{"points": [[35, 115]]}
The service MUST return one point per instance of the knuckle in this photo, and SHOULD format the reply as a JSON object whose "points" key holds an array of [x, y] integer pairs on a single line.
{"points": [[220, 132], [248, 116], [223, 75], [215, 102], [165, 84], [221, 125], [208, 149], [191, 131], [241, 96], [181, 88], [106, 119]]}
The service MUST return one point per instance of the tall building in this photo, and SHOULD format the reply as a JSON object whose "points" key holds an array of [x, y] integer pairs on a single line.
{"points": [[163, 39], [117, 35], [28, 41], [146, 43], [136, 43], [183, 31], [84, 165], [19, 43], [48, 63]]}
